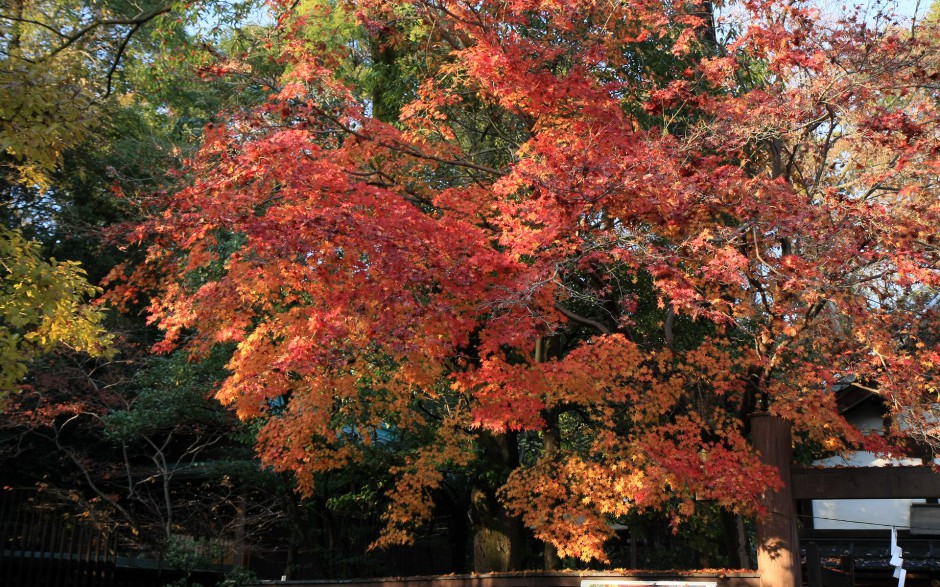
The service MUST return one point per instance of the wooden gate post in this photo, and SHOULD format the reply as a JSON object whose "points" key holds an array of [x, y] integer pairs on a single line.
{"points": [[778, 544]]}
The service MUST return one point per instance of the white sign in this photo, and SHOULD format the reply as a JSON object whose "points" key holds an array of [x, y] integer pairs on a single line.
{"points": [[650, 583]]}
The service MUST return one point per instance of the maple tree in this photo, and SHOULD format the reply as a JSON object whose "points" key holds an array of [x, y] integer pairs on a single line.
{"points": [[617, 228]]}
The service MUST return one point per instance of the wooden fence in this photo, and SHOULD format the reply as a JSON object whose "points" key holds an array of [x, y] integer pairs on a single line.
{"points": [[41, 548], [538, 579]]}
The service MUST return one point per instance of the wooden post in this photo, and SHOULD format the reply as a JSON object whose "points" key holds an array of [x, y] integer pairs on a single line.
{"points": [[778, 544]]}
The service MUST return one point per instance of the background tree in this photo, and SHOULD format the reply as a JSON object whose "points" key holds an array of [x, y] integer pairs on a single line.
{"points": [[61, 61], [151, 458]]}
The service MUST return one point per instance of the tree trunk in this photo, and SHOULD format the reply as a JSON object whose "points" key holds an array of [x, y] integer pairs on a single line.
{"points": [[498, 537], [457, 504], [735, 540], [384, 106], [496, 544], [551, 444], [298, 524]]}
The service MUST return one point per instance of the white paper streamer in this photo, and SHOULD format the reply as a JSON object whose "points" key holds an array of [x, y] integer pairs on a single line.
{"points": [[896, 561]]}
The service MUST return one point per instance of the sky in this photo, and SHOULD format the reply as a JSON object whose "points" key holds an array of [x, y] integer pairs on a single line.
{"points": [[904, 8], [908, 7]]}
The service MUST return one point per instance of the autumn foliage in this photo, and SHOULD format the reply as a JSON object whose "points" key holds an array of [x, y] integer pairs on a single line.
{"points": [[619, 228], [43, 306]]}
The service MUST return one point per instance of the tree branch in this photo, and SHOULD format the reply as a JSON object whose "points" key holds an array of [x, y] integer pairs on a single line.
{"points": [[48, 27], [136, 21], [408, 149], [118, 55], [667, 327], [581, 319], [87, 475]]}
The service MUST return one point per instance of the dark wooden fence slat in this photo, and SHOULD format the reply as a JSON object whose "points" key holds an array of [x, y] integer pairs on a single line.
{"points": [[52, 564], [22, 543], [70, 567], [57, 573], [4, 535], [85, 553], [814, 572], [81, 569], [41, 552]]}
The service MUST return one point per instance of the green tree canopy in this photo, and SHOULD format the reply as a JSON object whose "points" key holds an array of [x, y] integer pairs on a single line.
{"points": [[42, 304]]}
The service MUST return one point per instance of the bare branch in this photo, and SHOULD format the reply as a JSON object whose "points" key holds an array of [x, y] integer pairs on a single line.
{"points": [[118, 55], [136, 21], [581, 319]]}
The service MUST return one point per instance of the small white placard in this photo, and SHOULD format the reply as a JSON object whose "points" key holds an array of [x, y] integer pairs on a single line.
{"points": [[652, 583]]}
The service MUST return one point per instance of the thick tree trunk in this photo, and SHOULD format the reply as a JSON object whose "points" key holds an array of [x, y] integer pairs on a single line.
{"points": [[384, 105], [744, 560], [551, 444], [735, 540], [498, 538], [497, 544], [457, 504], [298, 523]]}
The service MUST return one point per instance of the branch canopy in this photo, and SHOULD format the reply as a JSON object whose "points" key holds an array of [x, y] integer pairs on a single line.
{"points": [[694, 221]]}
